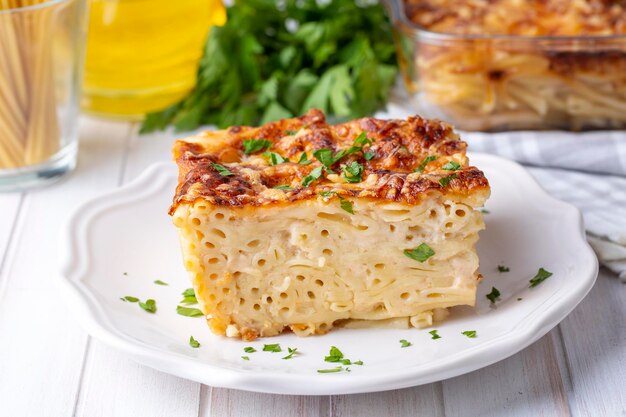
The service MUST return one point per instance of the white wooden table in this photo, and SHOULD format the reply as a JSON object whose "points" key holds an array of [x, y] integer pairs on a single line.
{"points": [[49, 366]]}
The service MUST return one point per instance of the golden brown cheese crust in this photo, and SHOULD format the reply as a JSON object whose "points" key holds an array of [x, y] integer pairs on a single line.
{"points": [[520, 17], [399, 148]]}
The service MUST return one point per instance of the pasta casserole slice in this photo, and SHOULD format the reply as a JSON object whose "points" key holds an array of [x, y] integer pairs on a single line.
{"points": [[300, 225]]}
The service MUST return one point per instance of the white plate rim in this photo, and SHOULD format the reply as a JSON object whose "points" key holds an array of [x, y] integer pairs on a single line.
{"points": [[93, 318]]}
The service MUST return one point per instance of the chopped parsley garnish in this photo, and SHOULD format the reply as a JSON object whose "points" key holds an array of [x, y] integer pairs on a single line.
{"points": [[189, 292], [446, 180], [327, 194], [130, 299], [493, 295], [256, 145], [369, 155], [159, 282], [193, 342], [249, 349], [245, 358], [149, 306], [434, 335], [222, 170], [313, 175], [484, 211], [404, 343], [541, 276], [326, 157], [451, 166], [335, 355], [283, 188], [275, 158], [503, 268], [420, 253], [469, 333], [272, 348], [291, 353], [304, 160], [425, 162], [189, 312], [346, 205], [189, 300], [331, 370], [352, 173], [357, 363], [290, 132]]}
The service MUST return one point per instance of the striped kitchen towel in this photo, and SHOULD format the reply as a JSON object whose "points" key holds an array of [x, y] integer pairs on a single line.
{"points": [[586, 169]]}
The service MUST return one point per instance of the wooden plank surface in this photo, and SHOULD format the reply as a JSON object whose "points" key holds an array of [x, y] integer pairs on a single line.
{"points": [[49, 366]]}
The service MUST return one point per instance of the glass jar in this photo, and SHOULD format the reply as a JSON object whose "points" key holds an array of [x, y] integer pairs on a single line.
{"points": [[142, 55], [41, 57]]}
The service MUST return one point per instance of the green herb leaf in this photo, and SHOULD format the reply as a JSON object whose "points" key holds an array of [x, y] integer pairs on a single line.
{"points": [[313, 175], [493, 295], [541, 276], [222, 170], [189, 300], [283, 187], [193, 342], [446, 180], [470, 333], [335, 355], [159, 282], [357, 363], [425, 162], [249, 349], [352, 173], [325, 156], [503, 268], [275, 158], [272, 348], [484, 211], [304, 159], [331, 370], [452, 166], [420, 253], [291, 353], [434, 335], [245, 358], [189, 292], [149, 306], [130, 299], [189, 312], [327, 194], [404, 343], [369, 155], [362, 140], [346, 205], [255, 145]]}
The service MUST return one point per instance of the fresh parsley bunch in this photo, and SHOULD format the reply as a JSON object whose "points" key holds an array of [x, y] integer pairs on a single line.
{"points": [[277, 59]]}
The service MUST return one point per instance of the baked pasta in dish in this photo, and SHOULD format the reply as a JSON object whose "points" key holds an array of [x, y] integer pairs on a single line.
{"points": [[304, 226], [513, 64]]}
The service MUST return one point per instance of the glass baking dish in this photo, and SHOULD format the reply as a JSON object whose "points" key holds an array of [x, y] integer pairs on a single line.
{"points": [[494, 83]]}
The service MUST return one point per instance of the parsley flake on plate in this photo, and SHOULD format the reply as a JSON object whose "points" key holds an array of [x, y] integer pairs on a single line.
{"points": [[420, 253], [149, 306], [404, 343], [469, 333], [541, 276], [193, 342], [189, 292], [222, 170], [493, 295], [451, 166], [249, 349], [251, 146], [485, 211], [425, 162], [189, 312], [130, 299], [503, 268], [313, 175], [272, 348], [159, 282], [335, 355], [331, 370], [291, 353], [245, 358], [434, 335]]}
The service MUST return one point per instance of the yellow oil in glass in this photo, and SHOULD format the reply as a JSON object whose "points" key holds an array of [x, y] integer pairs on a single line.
{"points": [[142, 55]]}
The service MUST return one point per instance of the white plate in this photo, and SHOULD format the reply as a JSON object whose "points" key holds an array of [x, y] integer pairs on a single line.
{"points": [[120, 242]]}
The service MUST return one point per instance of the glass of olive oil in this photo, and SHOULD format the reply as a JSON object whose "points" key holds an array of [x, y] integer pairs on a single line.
{"points": [[142, 55]]}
